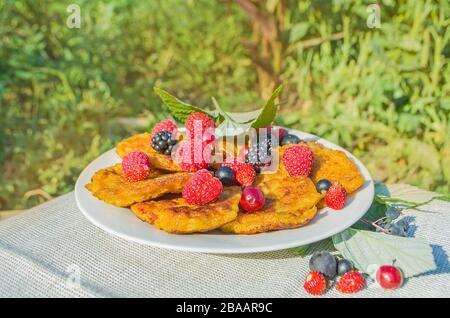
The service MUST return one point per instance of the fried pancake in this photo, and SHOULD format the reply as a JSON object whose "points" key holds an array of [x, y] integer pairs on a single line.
{"points": [[177, 216], [335, 165], [141, 142], [330, 164], [110, 186], [290, 203]]}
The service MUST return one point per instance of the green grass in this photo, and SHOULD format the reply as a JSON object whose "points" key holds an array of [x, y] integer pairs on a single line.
{"points": [[67, 95]]}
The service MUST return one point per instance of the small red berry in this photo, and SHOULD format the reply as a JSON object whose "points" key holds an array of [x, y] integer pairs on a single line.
{"points": [[136, 166], [351, 282], [298, 160], [196, 126], [193, 155], [389, 277], [245, 173], [202, 188], [281, 133], [335, 197], [234, 165], [167, 125], [252, 199], [315, 283]]}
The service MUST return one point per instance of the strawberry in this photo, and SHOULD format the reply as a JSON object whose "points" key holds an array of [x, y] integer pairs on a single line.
{"points": [[351, 282], [335, 196], [315, 283], [245, 174]]}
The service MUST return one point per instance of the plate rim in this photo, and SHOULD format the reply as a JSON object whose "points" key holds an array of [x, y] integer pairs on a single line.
{"points": [[241, 249]]}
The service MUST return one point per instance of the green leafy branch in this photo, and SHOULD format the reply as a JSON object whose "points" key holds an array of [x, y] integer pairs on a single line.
{"points": [[227, 124]]}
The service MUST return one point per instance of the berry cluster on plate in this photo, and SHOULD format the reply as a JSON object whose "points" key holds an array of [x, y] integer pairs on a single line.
{"points": [[171, 178]]}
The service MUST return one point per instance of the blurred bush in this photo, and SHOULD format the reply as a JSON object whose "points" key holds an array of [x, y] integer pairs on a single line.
{"points": [[67, 95]]}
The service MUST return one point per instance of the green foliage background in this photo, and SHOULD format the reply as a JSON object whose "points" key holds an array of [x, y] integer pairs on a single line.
{"points": [[67, 95]]}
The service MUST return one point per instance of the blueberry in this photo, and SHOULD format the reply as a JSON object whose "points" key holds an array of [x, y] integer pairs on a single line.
{"points": [[325, 263], [397, 230], [404, 223], [289, 140], [226, 176], [344, 266], [323, 185], [393, 213]]}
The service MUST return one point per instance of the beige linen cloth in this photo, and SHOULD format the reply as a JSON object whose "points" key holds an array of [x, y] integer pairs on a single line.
{"points": [[52, 250]]}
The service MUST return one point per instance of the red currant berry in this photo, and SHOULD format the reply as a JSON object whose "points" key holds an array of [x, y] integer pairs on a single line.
{"points": [[389, 277], [252, 199]]}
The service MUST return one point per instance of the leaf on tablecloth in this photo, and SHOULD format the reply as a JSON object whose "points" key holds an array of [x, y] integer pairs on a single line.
{"points": [[369, 250], [304, 250]]}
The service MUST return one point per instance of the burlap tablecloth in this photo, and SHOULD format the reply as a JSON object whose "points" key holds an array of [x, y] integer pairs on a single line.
{"points": [[53, 251]]}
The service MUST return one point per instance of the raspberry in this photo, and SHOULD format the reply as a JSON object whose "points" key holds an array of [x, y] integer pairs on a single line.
{"points": [[351, 282], [245, 174], [167, 125], [196, 125], [136, 166], [298, 160], [335, 196], [203, 188], [193, 155], [315, 283]]}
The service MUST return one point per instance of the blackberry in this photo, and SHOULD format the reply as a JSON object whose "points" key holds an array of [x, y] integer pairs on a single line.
{"points": [[163, 142], [259, 154]]}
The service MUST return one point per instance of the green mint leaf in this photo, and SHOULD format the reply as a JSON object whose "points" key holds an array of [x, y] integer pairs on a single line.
{"points": [[228, 126], [179, 109], [369, 250], [231, 128], [269, 111]]}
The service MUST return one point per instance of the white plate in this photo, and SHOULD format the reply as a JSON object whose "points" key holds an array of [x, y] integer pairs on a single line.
{"points": [[123, 223]]}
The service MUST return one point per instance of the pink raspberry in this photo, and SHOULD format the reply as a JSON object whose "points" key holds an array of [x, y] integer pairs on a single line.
{"points": [[203, 188], [167, 125], [298, 160], [193, 155], [136, 166], [200, 126]]}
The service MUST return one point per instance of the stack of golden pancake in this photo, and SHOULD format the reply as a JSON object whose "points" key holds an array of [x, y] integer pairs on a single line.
{"points": [[291, 201]]}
